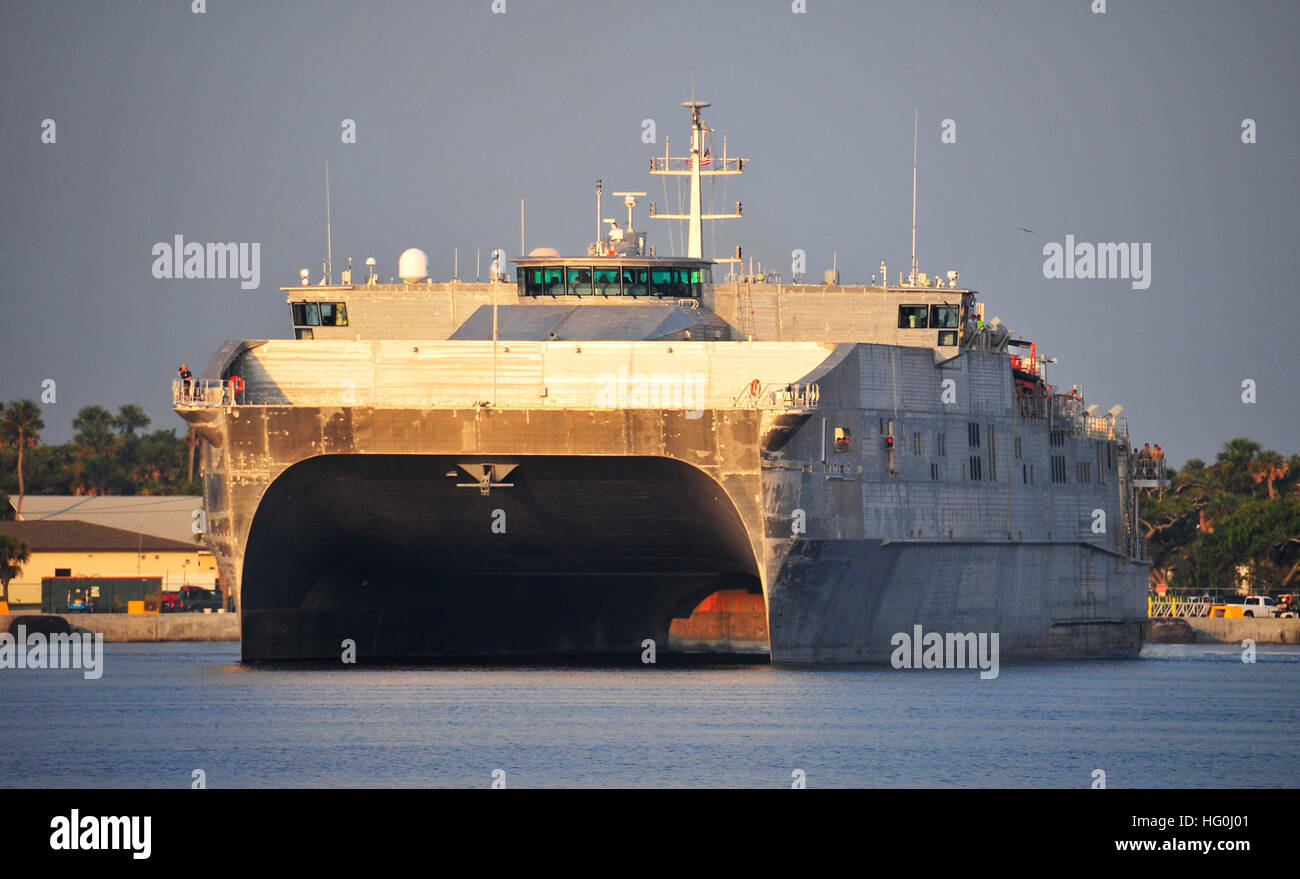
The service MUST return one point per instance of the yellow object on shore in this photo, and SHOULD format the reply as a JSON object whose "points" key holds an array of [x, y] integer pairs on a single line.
{"points": [[1228, 611], [139, 607], [4, 607]]}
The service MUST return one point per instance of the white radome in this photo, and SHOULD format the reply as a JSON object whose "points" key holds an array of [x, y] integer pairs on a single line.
{"points": [[543, 251], [413, 265]]}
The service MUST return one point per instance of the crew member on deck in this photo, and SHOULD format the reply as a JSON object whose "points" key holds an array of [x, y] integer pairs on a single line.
{"points": [[186, 378]]}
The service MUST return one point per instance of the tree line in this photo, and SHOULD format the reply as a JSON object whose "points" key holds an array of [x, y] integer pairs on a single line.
{"points": [[110, 453], [1217, 524]]}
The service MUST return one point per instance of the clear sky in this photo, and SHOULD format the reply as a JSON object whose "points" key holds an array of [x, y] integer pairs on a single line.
{"points": [[1124, 126]]}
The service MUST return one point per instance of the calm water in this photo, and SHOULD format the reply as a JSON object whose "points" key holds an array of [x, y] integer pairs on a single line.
{"points": [[1179, 717]]}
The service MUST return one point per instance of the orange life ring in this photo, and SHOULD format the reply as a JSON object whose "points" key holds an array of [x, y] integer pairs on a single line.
{"points": [[754, 387], [236, 385]]}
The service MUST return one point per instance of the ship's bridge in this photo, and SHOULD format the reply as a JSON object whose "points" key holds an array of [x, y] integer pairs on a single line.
{"points": [[661, 277]]}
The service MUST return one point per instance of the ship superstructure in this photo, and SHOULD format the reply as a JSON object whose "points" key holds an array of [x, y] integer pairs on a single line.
{"points": [[567, 461]]}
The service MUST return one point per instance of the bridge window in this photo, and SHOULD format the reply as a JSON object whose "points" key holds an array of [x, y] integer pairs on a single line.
{"points": [[579, 281], [303, 333], [306, 314], [333, 314], [912, 317], [533, 281], [947, 338], [636, 282], [606, 283], [661, 282], [682, 288], [552, 281], [945, 316]]}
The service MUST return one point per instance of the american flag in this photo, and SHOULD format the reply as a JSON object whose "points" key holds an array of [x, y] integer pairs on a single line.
{"points": [[706, 158]]}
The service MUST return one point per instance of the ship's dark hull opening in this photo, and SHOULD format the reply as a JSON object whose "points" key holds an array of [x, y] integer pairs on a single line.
{"points": [[405, 556]]}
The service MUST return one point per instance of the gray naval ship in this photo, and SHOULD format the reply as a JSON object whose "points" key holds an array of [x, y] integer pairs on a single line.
{"points": [[566, 462]]}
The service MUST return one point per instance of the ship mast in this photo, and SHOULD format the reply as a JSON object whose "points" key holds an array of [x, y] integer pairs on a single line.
{"points": [[911, 279], [694, 169]]}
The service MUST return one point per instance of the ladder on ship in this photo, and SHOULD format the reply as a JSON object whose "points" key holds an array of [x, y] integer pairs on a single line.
{"points": [[1128, 501]]}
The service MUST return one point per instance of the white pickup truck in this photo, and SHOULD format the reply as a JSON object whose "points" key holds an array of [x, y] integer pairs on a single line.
{"points": [[1259, 606]]}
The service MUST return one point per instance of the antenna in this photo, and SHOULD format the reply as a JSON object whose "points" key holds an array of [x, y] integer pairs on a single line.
{"points": [[329, 240], [629, 200], [911, 279], [600, 232], [694, 162]]}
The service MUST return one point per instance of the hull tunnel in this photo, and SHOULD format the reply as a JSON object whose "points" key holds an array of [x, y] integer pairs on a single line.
{"points": [[439, 556]]}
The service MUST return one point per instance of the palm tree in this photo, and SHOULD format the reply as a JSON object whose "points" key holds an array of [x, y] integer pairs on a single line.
{"points": [[131, 418], [13, 554], [1238, 452], [21, 428], [94, 427], [1268, 467]]}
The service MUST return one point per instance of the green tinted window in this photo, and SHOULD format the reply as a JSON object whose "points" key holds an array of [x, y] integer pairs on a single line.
{"points": [[661, 282], [636, 282], [580, 282], [606, 282], [553, 281]]}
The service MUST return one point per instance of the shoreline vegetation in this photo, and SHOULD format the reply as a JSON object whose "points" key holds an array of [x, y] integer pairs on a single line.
{"points": [[1231, 526], [109, 454]]}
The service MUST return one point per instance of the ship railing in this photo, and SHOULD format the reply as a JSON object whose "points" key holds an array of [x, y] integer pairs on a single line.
{"points": [[1104, 427], [198, 393], [1067, 413], [1150, 468], [797, 395]]}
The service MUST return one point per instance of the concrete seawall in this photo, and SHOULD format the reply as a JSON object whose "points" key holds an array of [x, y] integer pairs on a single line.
{"points": [[121, 627], [1203, 630]]}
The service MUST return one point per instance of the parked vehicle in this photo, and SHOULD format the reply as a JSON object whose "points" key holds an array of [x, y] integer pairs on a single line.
{"points": [[191, 598], [1259, 606]]}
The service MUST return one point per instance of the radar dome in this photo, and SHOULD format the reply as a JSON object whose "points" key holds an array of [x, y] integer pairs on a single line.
{"points": [[413, 265], [543, 251]]}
